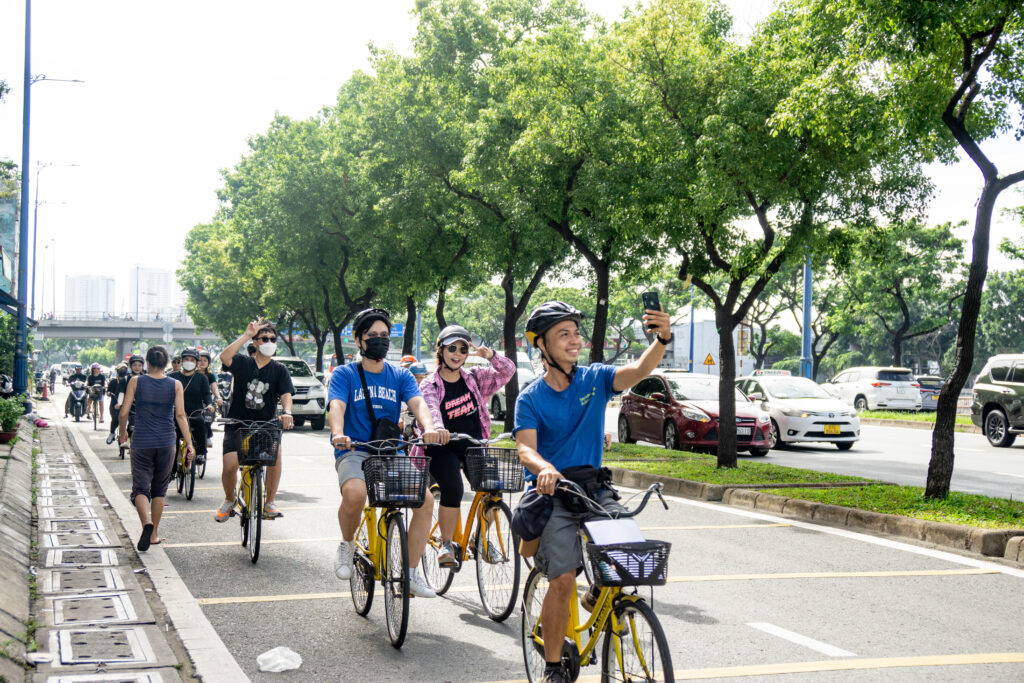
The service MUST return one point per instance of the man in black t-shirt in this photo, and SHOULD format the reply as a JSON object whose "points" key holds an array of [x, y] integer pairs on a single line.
{"points": [[259, 382], [96, 382], [198, 396], [76, 376]]}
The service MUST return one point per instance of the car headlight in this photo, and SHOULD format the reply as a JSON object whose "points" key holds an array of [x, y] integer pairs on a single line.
{"points": [[795, 412], [695, 415], [763, 419]]}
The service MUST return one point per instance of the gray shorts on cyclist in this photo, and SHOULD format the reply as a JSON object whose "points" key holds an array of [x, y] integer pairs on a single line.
{"points": [[559, 550], [350, 466]]}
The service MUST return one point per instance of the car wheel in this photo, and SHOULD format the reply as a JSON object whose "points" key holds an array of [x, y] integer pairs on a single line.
{"points": [[844, 445], [671, 436], [758, 452], [624, 435], [997, 429], [860, 403], [317, 423], [496, 412], [299, 421], [775, 436]]}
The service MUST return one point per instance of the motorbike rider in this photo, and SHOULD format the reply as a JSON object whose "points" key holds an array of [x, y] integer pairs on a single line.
{"points": [[176, 364], [96, 383], [197, 395], [117, 388], [76, 376]]}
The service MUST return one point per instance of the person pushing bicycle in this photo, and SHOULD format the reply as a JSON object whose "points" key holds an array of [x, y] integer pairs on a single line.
{"points": [[388, 387], [559, 430]]}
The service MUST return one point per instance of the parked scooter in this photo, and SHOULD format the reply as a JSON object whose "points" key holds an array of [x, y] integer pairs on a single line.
{"points": [[79, 395], [6, 386]]}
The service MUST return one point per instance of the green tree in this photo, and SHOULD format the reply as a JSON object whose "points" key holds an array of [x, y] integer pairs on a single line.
{"points": [[104, 354]]}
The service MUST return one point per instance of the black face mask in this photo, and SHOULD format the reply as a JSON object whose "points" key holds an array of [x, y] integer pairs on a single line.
{"points": [[376, 348], [122, 373]]}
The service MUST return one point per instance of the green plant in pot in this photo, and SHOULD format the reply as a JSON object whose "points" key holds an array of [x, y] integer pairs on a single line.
{"points": [[11, 410]]}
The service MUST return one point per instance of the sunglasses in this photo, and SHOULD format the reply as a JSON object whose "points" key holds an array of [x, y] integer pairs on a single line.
{"points": [[458, 348], [267, 339]]}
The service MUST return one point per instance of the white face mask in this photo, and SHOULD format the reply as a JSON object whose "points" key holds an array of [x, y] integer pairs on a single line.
{"points": [[188, 366], [268, 349]]}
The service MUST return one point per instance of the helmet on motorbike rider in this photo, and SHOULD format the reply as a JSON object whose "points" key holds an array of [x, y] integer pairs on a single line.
{"points": [[190, 353], [203, 353], [407, 360], [136, 359]]}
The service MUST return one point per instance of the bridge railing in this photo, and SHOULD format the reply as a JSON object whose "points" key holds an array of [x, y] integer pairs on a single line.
{"points": [[93, 316]]}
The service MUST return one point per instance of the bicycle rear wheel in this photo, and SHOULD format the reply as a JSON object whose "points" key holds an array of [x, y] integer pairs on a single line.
{"points": [[439, 578], [190, 479], [396, 580], [497, 561], [533, 648], [95, 418], [361, 580], [635, 648], [255, 513], [178, 474]]}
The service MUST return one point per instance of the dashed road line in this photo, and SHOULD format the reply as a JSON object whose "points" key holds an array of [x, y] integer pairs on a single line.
{"points": [[800, 639], [210, 511]]}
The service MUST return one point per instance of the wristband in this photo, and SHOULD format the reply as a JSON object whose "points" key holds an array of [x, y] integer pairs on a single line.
{"points": [[666, 342], [286, 412]]}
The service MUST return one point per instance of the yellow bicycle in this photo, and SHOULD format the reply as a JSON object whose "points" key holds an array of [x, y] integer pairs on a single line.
{"points": [[184, 471], [634, 646], [393, 482], [487, 535], [258, 445]]}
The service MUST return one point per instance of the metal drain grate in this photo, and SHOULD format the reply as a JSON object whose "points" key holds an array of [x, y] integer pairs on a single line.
{"points": [[110, 645], [67, 526], [75, 539], [83, 512], [81, 558], [93, 609], [82, 581]]}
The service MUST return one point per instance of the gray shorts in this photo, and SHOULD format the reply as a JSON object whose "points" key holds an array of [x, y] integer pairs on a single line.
{"points": [[559, 550], [350, 466]]}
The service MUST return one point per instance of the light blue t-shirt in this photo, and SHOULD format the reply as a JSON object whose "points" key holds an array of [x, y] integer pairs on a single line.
{"points": [[388, 389], [569, 423]]}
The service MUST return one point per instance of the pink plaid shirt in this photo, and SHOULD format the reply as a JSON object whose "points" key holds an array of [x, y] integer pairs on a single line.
{"points": [[483, 382]]}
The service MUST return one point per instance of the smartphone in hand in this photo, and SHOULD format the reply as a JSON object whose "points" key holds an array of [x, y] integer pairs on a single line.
{"points": [[650, 303]]}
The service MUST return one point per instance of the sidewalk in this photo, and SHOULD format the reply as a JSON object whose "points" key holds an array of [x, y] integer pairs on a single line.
{"points": [[104, 611]]}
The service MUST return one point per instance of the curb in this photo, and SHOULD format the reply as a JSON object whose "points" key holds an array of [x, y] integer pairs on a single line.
{"points": [[15, 552], [916, 424], [1003, 543], [210, 657]]}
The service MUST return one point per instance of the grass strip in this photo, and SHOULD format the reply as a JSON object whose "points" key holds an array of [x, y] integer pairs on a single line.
{"points": [[923, 416], [909, 501]]}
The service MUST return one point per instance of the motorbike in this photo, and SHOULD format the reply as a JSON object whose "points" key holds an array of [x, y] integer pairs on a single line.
{"points": [[79, 395], [6, 386], [40, 382], [224, 384]]}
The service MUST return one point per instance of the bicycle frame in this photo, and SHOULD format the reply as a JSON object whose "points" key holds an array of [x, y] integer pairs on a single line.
{"points": [[377, 542], [464, 532]]}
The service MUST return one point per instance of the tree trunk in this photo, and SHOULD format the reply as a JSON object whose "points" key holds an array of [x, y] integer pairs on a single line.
{"points": [[897, 350], [288, 338], [439, 309], [940, 467], [726, 323], [409, 341], [321, 340], [339, 350], [603, 274], [508, 336]]}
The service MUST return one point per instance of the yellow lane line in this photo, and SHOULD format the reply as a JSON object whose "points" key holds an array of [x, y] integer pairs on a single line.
{"points": [[211, 544], [221, 488], [701, 527], [210, 511], [834, 665], [674, 579]]}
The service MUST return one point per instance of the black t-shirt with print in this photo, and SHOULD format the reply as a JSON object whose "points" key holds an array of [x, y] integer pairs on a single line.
{"points": [[96, 380], [255, 390], [459, 410], [196, 390]]}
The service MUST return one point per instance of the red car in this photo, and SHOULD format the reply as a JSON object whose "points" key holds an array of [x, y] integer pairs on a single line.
{"points": [[680, 409]]}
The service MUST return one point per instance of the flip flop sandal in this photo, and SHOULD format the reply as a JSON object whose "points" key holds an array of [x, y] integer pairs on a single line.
{"points": [[145, 538]]}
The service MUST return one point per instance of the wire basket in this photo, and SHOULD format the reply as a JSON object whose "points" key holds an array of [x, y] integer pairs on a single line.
{"points": [[258, 444], [494, 469], [643, 563], [396, 480]]}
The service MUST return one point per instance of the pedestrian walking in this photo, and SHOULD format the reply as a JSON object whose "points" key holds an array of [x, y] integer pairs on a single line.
{"points": [[159, 404]]}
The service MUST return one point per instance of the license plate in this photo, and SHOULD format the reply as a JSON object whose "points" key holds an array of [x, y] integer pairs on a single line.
{"points": [[832, 430], [901, 390], [744, 431]]}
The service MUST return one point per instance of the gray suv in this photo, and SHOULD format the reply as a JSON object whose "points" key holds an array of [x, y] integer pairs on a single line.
{"points": [[998, 406]]}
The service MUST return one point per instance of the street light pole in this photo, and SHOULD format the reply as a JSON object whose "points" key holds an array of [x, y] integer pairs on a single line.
{"points": [[20, 341], [35, 232]]}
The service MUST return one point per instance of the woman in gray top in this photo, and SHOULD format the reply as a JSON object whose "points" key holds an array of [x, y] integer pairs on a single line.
{"points": [[160, 402]]}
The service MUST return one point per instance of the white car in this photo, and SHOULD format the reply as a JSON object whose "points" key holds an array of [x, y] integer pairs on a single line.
{"points": [[876, 388], [310, 398], [802, 411], [526, 376]]}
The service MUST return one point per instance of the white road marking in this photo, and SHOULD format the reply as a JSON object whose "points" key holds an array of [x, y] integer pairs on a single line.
{"points": [[1011, 474], [805, 641]]}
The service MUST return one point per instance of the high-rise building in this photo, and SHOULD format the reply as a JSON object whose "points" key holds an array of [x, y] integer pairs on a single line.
{"points": [[88, 296], [150, 293]]}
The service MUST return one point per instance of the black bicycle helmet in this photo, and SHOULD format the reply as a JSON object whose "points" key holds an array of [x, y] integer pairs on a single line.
{"points": [[546, 315], [136, 359], [190, 352], [451, 333], [365, 318]]}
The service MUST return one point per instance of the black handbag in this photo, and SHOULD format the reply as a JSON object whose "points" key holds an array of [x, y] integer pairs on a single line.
{"points": [[383, 429], [589, 478]]}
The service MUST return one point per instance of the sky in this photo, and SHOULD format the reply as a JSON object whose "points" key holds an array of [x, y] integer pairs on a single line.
{"points": [[172, 91]]}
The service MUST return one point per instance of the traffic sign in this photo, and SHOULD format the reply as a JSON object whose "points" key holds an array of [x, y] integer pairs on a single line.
{"points": [[168, 337], [709, 360], [168, 327]]}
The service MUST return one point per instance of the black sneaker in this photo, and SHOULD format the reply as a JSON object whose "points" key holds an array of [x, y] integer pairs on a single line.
{"points": [[555, 675]]}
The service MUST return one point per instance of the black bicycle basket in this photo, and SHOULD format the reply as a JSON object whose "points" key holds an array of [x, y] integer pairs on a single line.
{"points": [[494, 469], [643, 563], [258, 444], [396, 480]]}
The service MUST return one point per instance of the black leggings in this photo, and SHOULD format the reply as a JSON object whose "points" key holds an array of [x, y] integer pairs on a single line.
{"points": [[446, 467]]}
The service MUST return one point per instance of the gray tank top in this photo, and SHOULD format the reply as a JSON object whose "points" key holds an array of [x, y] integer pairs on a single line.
{"points": [[154, 413]]}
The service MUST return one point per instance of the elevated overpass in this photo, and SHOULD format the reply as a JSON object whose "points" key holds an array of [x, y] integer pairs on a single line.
{"points": [[127, 332]]}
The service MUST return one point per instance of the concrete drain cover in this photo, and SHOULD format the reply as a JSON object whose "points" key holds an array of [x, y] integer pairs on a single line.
{"points": [[82, 580], [93, 609], [81, 558], [63, 526], [63, 501], [111, 645], [83, 512], [154, 677], [75, 539]]}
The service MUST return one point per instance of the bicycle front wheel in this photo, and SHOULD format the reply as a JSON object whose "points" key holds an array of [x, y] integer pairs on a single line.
{"points": [[255, 514], [95, 418], [190, 480], [497, 561], [439, 578], [635, 648], [396, 580], [361, 578], [179, 473], [533, 645]]}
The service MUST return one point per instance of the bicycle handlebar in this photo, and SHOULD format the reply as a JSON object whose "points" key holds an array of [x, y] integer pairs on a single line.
{"points": [[598, 509], [398, 442]]}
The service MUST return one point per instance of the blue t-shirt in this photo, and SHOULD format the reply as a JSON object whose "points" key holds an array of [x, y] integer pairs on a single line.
{"points": [[389, 389], [569, 423]]}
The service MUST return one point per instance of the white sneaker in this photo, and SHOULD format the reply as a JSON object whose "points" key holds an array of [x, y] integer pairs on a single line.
{"points": [[418, 585], [111, 437], [343, 560]]}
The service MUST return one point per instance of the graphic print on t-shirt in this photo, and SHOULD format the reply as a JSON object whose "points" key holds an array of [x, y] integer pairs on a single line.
{"points": [[255, 391], [460, 406]]}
